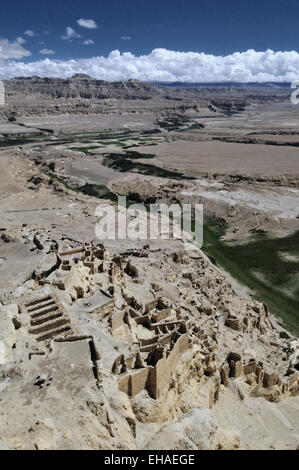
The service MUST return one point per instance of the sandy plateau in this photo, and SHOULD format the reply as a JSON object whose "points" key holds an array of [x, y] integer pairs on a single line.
{"points": [[134, 344]]}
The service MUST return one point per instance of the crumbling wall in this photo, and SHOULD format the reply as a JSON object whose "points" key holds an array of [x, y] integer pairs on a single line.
{"points": [[138, 381], [264, 383], [153, 378]]}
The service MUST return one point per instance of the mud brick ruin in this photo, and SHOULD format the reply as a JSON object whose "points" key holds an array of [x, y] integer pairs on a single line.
{"points": [[160, 333], [151, 368]]}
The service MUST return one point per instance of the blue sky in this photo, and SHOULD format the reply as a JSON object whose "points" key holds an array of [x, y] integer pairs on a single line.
{"points": [[34, 30], [218, 27]]}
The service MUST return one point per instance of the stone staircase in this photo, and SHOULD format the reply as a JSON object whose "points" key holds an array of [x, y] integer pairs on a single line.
{"points": [[47, 318]]}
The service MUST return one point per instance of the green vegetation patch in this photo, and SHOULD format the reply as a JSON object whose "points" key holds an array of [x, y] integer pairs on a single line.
{"points": [[260, 266], [85, 150], [98, 190], [127, 163], [21, 140]]}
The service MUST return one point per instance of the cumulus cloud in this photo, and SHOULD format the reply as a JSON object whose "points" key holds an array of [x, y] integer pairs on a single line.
{"points": [[46, 51], [167, 66], [29, 33], [13, 50], [70, 34], [126, 38], [90, 24], [88, 42]]}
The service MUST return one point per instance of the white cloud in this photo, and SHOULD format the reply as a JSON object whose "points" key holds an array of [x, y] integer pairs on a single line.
{"points": [[90, 24], [20, 40], [29, 33], [46, 51], [126, 38], [161, 65], [70, 34], [12, 50], [88, 42]]}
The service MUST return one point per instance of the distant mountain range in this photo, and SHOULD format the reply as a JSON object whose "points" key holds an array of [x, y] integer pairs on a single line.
{"points": [[226, 84]]}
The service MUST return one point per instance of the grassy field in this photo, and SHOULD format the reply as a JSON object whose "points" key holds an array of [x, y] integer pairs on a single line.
{"points": [[260, 266]]}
